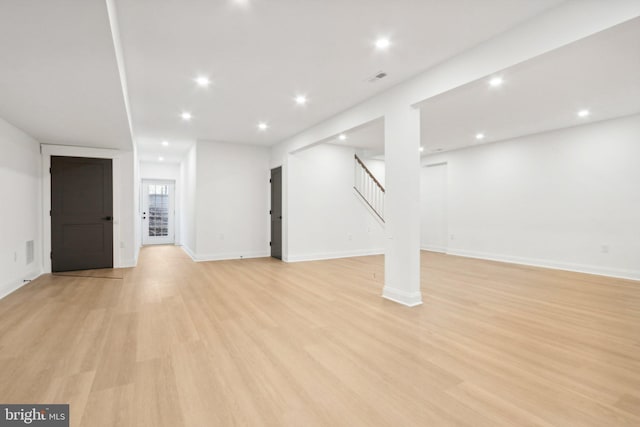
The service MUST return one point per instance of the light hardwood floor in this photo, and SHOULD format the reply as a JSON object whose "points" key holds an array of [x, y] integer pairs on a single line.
{"points": [[259, 342]]}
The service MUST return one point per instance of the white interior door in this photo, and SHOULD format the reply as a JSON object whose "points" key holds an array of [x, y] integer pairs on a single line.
{"points": [[158, 212], [433, 208]]}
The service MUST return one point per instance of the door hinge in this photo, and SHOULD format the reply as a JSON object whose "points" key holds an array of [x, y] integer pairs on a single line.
{"points": [[49, 170], [50, 255], [49, 213], [269, 180], [269, 212], [269, 243]]}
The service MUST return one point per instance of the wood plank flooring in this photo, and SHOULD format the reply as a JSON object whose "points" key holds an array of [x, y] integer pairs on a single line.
{"points": [[264, 343]]}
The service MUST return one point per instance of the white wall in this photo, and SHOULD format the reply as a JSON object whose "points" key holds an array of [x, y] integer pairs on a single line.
{"points": [[568, 199], [232, 201], [188, 171], [433, 208], [165, 171], [137, 226], [326, 217], [129, 197], [20, 216]]}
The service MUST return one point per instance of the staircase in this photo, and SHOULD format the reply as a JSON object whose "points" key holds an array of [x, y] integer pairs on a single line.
{"points": [[368, 188]]}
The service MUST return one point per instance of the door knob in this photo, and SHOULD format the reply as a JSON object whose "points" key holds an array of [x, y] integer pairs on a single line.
{"points": [[108, 218]]}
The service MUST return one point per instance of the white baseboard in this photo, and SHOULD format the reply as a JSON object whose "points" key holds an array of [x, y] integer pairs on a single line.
{"points": [[15, 284], [229, 256], [545, 263], [128, 263], [432, 248], [333, 255], [188, 251], [410, 299], [224, 256]]}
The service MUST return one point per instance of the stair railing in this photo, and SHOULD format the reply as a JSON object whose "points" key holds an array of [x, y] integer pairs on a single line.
{"points": [[369, 188]]}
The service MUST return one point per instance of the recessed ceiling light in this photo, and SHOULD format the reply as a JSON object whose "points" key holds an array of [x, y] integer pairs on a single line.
{"points": [[342, 137], [203, 81], [421, 149], [496, 81], [161, 159], [186, 115], [263, 126], [479, 136], [383, 43], [301, 99], [165, 143], [583, 113]]}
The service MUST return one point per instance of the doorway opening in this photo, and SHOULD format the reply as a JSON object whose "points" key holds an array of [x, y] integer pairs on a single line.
{"points": [[158, 212]]}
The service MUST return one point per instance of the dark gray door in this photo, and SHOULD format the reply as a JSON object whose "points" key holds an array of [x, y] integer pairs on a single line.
{"points": [[81, 213], [276, 213]]}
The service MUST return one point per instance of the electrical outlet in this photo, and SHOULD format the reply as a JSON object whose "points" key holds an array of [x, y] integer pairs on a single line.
{"points": [[221, 236], [452, 237], [350, 236], [122, 245], [15, 257], [604, 249]]}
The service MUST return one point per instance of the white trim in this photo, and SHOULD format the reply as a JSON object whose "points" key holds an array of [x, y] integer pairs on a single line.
{"points": [[431, 165], [222, 257], [189, 252], [333, 255], [135, 259], [13, 285], [229, 256], [545, 263], [410, 299], [128, 263], [64, 150], [431, 248]]}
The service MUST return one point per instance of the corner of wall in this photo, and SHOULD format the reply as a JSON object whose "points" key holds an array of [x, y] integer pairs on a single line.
{"points": [[13, 285]]}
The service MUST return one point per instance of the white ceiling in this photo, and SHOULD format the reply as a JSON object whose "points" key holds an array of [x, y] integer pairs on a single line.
{"points": [[368, 137], [262, 54], [59, 77], [600, 73], [150, 150]]}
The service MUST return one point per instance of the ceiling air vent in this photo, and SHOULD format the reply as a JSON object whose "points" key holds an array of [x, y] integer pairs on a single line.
{"points": [[377, 76]]}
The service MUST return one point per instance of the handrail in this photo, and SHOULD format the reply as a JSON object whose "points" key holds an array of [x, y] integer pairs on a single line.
{"points": [[366, 169], [369, 204]]}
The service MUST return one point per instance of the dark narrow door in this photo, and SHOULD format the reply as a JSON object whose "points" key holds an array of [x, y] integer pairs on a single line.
{"points": [[81, 213], [276, 213]]}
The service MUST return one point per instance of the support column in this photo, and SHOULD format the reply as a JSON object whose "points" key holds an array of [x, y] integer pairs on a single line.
{"points": [[402, 206]]}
